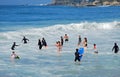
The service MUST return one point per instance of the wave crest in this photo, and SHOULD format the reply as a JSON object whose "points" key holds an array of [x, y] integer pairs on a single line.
{"points": [[88, 25], [61, 29]]}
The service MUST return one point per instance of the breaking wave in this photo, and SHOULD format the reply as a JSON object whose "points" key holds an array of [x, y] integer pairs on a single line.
{"points": [[60, 29]]}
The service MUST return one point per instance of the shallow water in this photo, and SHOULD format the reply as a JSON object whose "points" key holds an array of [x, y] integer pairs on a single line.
{"points": [[48, 62]]}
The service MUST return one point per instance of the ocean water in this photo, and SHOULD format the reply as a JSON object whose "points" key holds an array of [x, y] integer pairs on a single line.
{"points": [[101, 25]]}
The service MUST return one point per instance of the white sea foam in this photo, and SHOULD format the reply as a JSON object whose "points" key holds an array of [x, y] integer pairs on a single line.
{"points": [[58, 30], [61, 29]]}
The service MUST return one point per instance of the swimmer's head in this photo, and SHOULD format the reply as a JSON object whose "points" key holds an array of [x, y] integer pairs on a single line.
{"points": [[76, 49], [94, 44], [13, 52]]}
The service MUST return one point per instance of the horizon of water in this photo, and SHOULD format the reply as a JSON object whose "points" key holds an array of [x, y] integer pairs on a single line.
{"points": [[101, 25]]}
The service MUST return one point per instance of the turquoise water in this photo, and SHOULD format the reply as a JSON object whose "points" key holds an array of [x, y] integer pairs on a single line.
{"points": [[101, 25]]}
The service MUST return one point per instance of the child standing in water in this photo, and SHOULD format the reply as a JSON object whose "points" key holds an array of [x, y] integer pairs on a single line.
{"points": [[95, 48], [77, 56], [14, 56]]}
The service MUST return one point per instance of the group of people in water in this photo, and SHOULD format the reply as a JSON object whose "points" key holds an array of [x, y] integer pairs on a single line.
{"points": [[78, 55], [14, 55], [59, 44], [25, 40]]}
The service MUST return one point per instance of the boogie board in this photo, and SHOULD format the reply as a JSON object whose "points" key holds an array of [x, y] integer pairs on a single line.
{"points": [[81, 51], [17, 57], [81, 57]]}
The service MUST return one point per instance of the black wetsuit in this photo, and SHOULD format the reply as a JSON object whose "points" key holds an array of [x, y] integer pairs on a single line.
{"points": [[62, 41], [44, 42], [25, 40], [13, 46], [116, 49], [77, 57], [40, 44]]}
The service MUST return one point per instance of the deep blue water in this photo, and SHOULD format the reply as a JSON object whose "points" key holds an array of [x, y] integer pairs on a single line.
{"points": [[39, 16]]}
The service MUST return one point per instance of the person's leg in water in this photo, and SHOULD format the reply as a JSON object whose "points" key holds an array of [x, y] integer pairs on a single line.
{"points": [[116, 51], [80, 57], [12, 48], [40, 47], [75, 59]]}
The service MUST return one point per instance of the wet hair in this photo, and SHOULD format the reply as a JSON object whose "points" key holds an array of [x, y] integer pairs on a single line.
{"points": [[76, 49], [85, 39], [115, 44]]}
